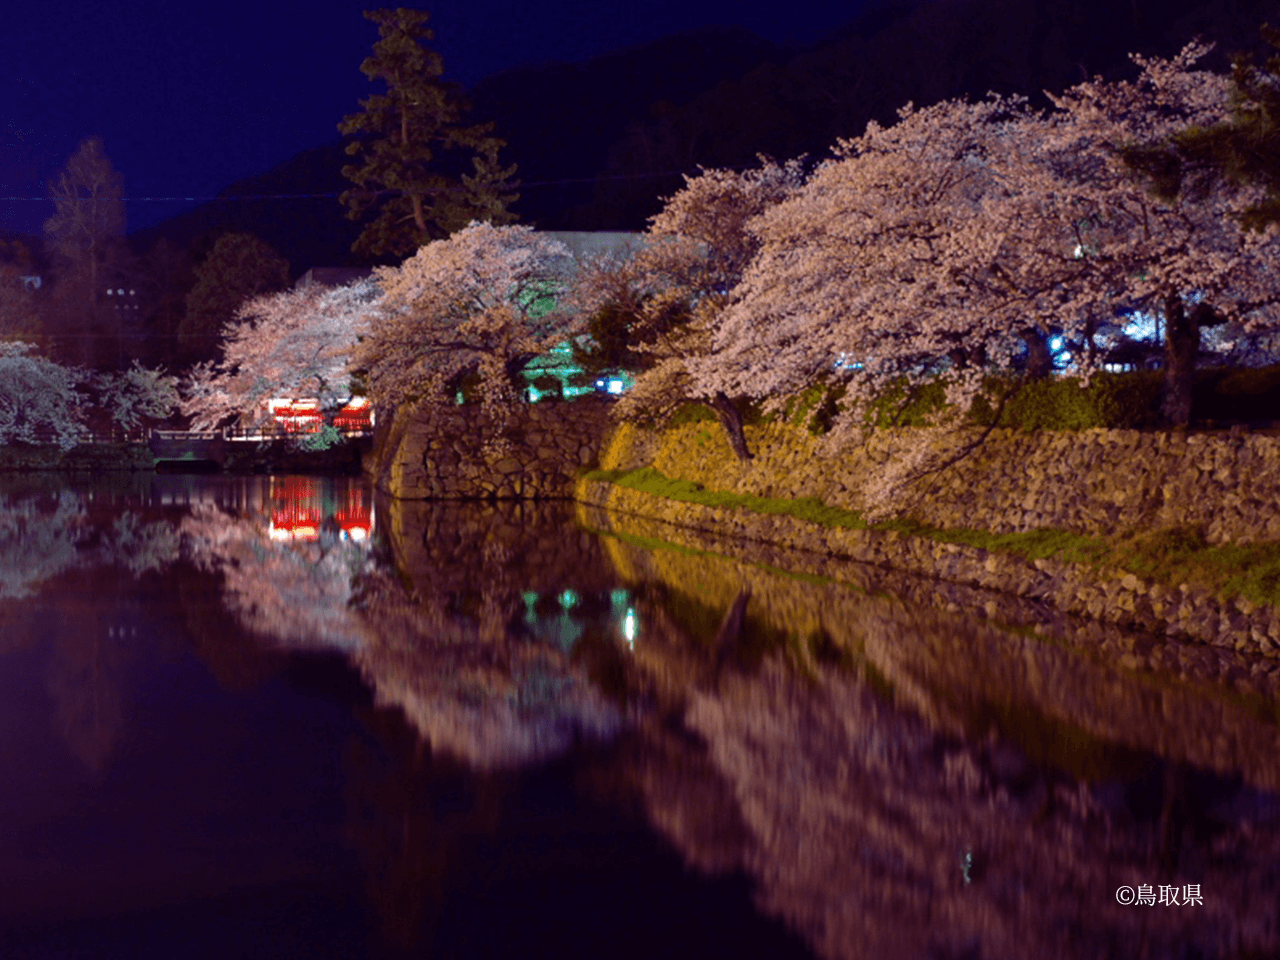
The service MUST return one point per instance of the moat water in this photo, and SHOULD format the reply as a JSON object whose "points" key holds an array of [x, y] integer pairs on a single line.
{"points": [[280, 717]]}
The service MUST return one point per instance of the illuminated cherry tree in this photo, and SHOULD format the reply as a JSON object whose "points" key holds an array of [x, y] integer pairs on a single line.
{"points": [[1187, 259], [135, 395], [39, 399], [657, 307], [885, 265], [477, 304], [946, 246], [297, 343]]}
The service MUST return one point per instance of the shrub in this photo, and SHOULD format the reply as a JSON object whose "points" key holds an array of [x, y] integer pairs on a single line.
{"points": [[1116, 400]]}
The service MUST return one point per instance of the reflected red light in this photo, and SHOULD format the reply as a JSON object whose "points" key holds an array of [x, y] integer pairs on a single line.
{"points": [[298, 510]]}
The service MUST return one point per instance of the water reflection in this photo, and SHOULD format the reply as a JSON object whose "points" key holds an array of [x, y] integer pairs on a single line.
{"points": [[304, 507], [289, 563], [481, 644], [919, 782], [898, 766]]}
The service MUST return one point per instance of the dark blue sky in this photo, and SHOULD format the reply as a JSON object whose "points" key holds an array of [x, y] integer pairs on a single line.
{"points": [[189, 98]]}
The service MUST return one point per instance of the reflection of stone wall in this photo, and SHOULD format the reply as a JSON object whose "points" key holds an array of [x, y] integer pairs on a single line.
{"points": [[1093, 481], [1089, 481], [1113, 596], [852, 788], [518, 545], [952, 660], [449, 645], [463, 452]]}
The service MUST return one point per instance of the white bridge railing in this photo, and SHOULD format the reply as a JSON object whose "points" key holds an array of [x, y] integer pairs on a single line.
{"points": [[238, 434], [186, 435]]}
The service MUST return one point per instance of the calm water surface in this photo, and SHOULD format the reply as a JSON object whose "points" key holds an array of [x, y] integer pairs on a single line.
{"points": [[273, 717]]}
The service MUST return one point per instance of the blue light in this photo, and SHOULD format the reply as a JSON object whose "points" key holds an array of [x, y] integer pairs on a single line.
{"points": [[1055, 343]]}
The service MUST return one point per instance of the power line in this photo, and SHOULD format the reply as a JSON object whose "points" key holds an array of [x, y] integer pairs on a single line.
{"points": [[324, 196]]}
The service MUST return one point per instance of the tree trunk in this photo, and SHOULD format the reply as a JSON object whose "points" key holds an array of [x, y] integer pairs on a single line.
{"points": [[419, 213], [731, 420], [1182, 343], [1039, 359], [727, 639]]}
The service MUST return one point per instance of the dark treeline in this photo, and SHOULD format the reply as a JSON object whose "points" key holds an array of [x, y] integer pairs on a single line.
{"points": [[615, 133]]}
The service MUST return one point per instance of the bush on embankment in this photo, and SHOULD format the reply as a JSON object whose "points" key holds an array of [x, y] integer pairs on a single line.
{"points": [[87, 457], [1109, 401]]}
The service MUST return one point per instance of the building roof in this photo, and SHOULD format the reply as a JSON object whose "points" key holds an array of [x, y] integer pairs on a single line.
{"points": [[584, 244], [333, 276]]}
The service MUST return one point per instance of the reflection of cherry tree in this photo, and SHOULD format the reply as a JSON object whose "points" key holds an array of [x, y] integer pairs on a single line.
{"points": [[898, 782], [139, 545], [473, 685], [45, 535], [38, 540], [297, 593], [49, 539]]}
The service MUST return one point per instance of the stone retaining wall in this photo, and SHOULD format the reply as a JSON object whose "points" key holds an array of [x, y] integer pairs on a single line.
{"points": [[1112, 596], [1089, 481], [463, 452]]}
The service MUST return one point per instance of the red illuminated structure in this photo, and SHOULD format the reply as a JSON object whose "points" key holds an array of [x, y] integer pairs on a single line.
{"points": [[305, 415], [356, 416]]}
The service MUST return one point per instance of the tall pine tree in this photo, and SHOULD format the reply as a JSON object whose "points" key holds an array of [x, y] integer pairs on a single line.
{"points": [[412, 146]]}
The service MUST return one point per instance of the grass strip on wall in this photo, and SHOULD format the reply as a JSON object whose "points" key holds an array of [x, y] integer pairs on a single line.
{"points": [[1171, 557]]}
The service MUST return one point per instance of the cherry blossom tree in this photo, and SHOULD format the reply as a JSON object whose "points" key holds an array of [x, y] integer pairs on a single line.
{"points": [[133, 396], [39, 399], [1188, 259], [888, 267], [1242, 149], [942, 248], [478, 303], [654, 310], [297, 343]]}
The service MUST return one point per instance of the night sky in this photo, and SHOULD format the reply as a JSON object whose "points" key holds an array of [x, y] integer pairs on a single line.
{"points": [[189, 98]]}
